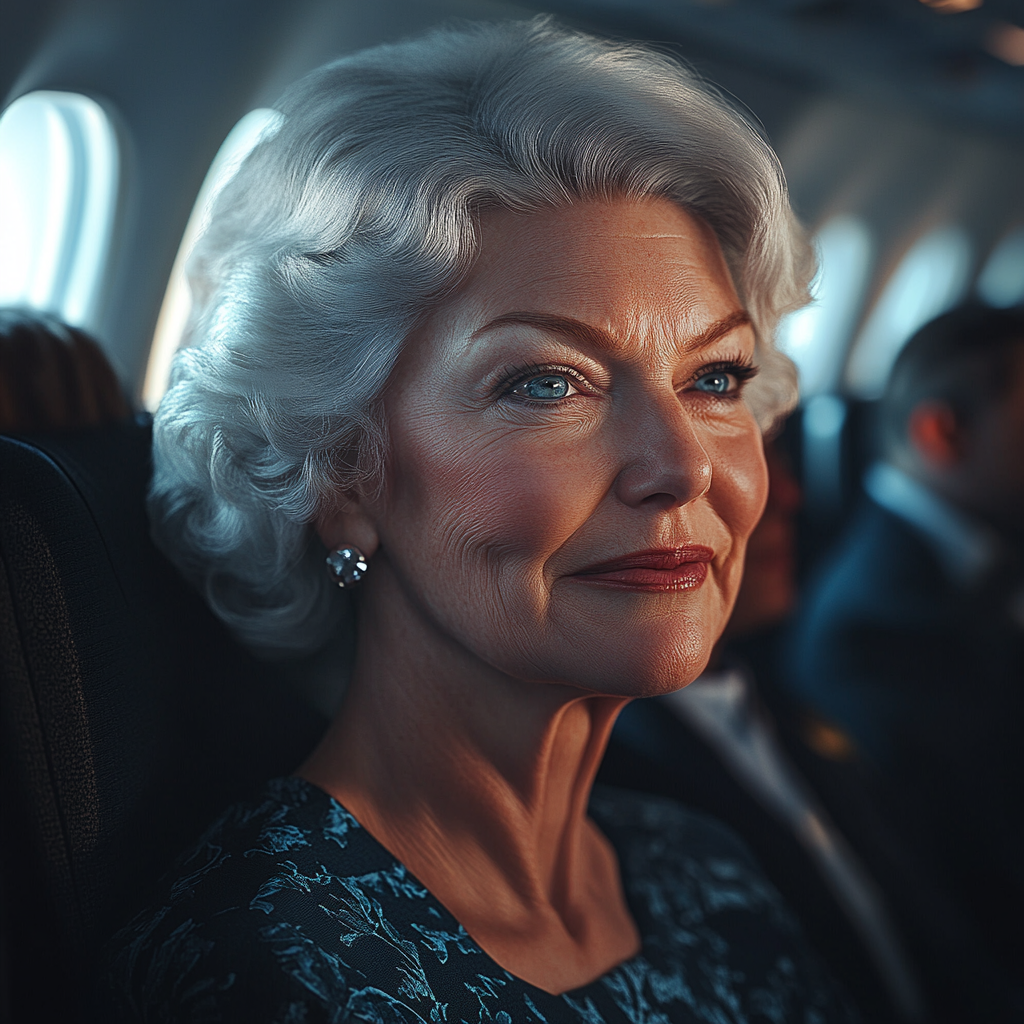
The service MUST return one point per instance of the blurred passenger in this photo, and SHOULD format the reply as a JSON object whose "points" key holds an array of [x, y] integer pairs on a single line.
{"points": [[53, 377], [735, 744], [911, 638]]}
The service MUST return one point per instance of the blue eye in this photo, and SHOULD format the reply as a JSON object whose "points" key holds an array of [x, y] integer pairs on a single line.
{"points": [[716, 383], [549, 387]]}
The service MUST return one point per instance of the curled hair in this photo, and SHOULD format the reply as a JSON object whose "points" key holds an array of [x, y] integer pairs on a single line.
{"points": [[344, 229]]}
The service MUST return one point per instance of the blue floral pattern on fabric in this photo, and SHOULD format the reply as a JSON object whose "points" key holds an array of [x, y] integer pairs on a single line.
{"points": [[288, 911]]}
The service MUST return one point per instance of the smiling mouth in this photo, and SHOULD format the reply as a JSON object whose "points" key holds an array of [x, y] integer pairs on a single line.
{"points": [[658, 570]]}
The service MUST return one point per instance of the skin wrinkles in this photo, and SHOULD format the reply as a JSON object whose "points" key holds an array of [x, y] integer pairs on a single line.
{"points": [[489, 672], [598, 339]]}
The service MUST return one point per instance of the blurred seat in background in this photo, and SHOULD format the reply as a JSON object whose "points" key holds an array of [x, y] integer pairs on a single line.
{"points": [[53, 377], [737, 745], [911, 638], [129, 716]]}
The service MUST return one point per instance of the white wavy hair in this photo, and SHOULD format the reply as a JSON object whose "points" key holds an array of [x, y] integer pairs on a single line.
{"points": [[347, 225]]}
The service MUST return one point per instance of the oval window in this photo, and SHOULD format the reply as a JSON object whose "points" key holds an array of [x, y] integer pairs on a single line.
{"points": [[1001, 282], [59, 166], [177, 302], [815, 337], [930, 279]]}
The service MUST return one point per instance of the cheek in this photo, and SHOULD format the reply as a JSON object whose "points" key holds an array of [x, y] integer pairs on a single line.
{"points": [[739, 489], [492, 511], [505, 500], [739, 493]]}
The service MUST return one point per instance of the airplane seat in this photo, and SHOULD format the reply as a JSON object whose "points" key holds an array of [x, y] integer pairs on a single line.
{"points": [[130, 716], [830, 441]]}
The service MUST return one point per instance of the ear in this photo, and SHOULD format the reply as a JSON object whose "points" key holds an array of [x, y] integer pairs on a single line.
{"points": [[349, 522], [934, 434]]}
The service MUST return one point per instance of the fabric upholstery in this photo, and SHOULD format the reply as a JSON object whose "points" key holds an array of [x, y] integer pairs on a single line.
{"points": [[130, 717]]}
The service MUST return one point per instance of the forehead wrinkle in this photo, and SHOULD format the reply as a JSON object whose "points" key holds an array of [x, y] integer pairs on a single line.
{"points": [[601, 339]]}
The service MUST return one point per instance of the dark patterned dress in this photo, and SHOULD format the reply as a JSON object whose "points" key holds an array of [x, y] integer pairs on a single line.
{"points": [[288, 911]]}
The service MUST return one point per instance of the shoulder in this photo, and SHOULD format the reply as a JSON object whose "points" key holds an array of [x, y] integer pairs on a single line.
{"points": [[879, 563], [877, 616], [648, 822], [691, 858], [713, 925], [252, 922]]}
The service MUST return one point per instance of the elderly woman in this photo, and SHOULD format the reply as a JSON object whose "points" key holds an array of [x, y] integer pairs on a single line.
{"points": [[481, 321]]}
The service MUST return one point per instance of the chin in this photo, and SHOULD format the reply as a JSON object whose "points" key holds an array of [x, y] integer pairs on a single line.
{"points": [[647, 655], [647, 670]]}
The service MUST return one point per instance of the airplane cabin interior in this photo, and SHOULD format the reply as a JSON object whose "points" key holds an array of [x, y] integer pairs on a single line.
{"points": [[132, 716]]}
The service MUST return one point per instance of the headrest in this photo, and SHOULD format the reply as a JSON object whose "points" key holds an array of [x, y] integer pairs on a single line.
{"points": [[130, 716]]}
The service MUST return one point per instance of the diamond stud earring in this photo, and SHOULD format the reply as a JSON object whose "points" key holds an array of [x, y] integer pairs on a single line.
{"points": [[347, 566]]}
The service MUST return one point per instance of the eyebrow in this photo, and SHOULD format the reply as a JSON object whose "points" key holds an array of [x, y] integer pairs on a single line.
{"points": [[595, 337]]}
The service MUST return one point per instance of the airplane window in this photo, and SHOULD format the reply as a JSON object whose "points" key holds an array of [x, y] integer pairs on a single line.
{"points": [[930, 279], [59, 167], [815, 337], [823, 422], [177, 300], [1001, 282]]}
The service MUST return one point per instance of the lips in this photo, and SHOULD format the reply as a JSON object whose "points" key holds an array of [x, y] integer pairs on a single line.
{"points": [[662, 569]]}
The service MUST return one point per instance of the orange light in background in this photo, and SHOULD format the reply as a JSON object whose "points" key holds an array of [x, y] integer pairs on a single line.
{"points": [[952, 6], [1006, 42]]}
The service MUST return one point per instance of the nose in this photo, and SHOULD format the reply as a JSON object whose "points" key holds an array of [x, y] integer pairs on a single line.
{"points": [[664, 463]]}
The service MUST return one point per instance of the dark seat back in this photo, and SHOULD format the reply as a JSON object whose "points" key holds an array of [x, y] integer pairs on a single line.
{"points": [[130, 717]]}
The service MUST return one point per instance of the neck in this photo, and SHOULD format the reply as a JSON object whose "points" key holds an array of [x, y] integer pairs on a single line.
{"points": [[476, 781]]}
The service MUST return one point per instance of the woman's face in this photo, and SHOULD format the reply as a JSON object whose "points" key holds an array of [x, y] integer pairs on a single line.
{"points": [[573, 473]]}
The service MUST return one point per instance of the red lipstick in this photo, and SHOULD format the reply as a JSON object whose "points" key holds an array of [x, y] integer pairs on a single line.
{"points": [[660, 569]]}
